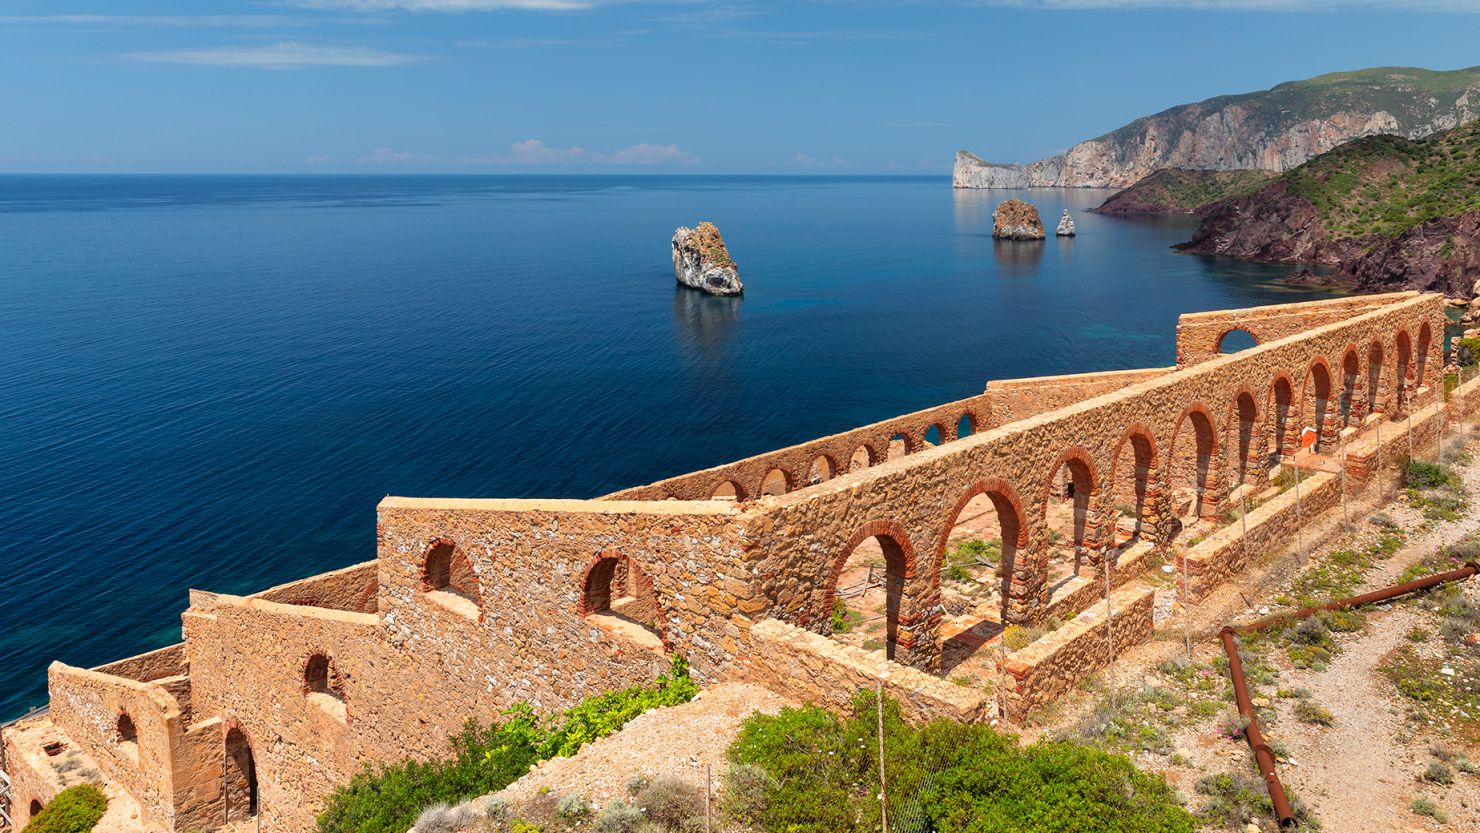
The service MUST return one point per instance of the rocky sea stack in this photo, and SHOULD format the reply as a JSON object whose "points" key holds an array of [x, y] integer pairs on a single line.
{"points": [[700, 260], [1017, 220], [1066, 225]]}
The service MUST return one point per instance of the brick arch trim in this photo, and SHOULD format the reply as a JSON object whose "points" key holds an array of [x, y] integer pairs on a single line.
{"points": [[1138, 429], [583, 601], [1073, 453], [1237, 328], [872, 529], [1188, 416], [1001, 493], [457, 552]]}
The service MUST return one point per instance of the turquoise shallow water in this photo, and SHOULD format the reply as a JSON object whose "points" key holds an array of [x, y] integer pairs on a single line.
{"points": [[210, 381]]}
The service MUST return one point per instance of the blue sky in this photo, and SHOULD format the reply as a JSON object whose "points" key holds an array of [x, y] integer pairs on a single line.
{"points": [[618, 86]]}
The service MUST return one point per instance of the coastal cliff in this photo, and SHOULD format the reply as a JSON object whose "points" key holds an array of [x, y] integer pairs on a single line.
{"points": [[1274, 130], [1383, 212]]}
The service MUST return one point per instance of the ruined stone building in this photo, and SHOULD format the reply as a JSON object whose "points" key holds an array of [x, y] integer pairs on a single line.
{"points": [[273, 699]]}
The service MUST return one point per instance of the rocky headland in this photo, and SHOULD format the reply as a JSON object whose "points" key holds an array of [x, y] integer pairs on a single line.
{"points": [[701, 261], [1275, 129], [1017, 220], [1383, 212], [1181, 191]]}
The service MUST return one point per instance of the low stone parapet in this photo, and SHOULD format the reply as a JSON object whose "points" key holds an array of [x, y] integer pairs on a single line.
{"points": [[806, 666], [1052, 664]]}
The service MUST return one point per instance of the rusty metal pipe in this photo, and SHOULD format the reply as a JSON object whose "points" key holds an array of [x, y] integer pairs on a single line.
{"points": [[1263, 755]]}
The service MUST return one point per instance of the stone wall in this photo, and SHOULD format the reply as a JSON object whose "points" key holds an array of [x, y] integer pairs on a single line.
{"points": [[165, 662], [1051, 665], [1015, 399], [1200, 334], [352, 588], [814, 669]]}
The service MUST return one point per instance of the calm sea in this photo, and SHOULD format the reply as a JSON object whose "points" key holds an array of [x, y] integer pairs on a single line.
{"points": [[210, 381]]}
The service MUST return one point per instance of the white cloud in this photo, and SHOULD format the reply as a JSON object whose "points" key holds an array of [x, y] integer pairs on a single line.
{"points": [[1245, 5], [389, 156], [284, 55], [646, 154], [803, 160], [535, 152]]}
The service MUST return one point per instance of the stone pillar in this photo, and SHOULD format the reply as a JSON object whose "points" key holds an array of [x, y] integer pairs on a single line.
{"points": [[1025, 595], [917, 639], [1214, 493], [1157, 519]]}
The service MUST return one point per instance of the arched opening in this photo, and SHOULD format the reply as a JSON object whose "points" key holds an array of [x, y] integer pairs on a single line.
{"points": [[934, 435], [239, 780], [128, 736], [1066, 513], [821, 471], [1190, 479], [867, 591], [1374, 377], [1421, 359], [1315, 409], [1130, 478], [899, 446], [862, 458], [728, 490], [1236, 340], [448, 578], [1350, 371], [324, 685], [35, 809], [1282, 398], [774, 483], [965, 427], [1401, 382], [620, 597], [978, 551], [1245, 417]]}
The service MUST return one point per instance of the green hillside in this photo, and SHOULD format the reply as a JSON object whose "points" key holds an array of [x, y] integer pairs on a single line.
{"points": [[1387, 184]]}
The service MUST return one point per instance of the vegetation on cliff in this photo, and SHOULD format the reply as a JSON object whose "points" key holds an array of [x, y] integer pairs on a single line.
{"points": [[1181, 191], [1385, 185], [485, 759], [808, 771], [77, 809]]}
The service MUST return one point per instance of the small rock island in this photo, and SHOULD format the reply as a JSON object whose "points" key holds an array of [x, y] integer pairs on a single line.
{"points": [[1066, 225], [1017, 220], [701, 261]]}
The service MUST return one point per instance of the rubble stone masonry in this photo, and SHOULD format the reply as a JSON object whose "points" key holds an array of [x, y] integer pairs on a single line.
{"points": [[473, 605]]}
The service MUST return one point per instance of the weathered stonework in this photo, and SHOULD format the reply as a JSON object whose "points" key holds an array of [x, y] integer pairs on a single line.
{"points": [[471, 605]]}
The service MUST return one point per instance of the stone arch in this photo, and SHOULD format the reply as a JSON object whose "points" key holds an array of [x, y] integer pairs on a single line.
{"points": [[614, 583], [1133, 489], [35, 808], [1235, 346], [1421, 358], [899, 570], [1281, 404], [1242, 425], [1351, 372], [776, 482], [1073, 496], [126, 731], [823, 469], [728, 490], [1374, 377], [862, 457], [966, 422], [1401, 380], [1315, 403], [239, 774], [1192, 479], [1020, 583], [900, 445], [939, 432], [321, 676], [446, 568]]}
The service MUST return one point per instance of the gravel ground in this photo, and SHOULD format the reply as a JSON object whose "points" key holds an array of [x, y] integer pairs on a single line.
{"points": [[679, 741]]}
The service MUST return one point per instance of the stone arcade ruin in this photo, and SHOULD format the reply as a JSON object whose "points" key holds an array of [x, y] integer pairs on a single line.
{"points": [[274, 699]]}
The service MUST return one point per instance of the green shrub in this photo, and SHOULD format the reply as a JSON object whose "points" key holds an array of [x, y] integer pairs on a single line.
{"points": [[820, 774], [1439, 773], [1309, 711], [1418, 474], [1427, 807], [485, 759], [672, 803], [76, 809], [618, 817]]}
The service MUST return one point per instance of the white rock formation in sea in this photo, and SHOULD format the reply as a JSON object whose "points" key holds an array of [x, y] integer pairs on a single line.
{"points": [[1017, 220], [1066, 225], [700, 260]]}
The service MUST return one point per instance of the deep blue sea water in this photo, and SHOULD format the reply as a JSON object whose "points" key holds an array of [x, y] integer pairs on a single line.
{"points": [[210, 381]]}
